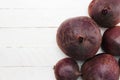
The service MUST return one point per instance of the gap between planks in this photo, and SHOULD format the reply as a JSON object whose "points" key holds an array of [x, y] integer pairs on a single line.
{"points": [[27, 66], [31, 27]]}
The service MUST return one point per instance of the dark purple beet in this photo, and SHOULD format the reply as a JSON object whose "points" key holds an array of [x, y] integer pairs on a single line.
{"points": [[119, 62], [66, 69], [79, 37], [100, 67], [111, 41], [105, 12]]}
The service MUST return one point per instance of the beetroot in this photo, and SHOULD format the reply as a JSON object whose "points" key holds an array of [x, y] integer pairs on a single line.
{"points": [[79, 37], [111, 41], [100, 67], [105, 12], [66, 69]]}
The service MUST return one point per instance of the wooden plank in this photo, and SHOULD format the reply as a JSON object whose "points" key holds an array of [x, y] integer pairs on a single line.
{"points": [[20, 73], [37, 13], [43, 17], [30, 57], [27, 73], [43, 3], [37, 18], [27, 37]]}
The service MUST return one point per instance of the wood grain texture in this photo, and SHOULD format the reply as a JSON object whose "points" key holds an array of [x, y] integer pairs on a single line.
{"points": [[40, 13], [41, 17], [27, 37], [27, 73], [43, 3]]}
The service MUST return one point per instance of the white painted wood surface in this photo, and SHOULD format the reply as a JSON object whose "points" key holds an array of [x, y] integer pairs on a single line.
{"points": [[28, 48], [40, 13]]}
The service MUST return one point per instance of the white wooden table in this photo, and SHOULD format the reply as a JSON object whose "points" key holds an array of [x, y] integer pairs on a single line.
{"points": [[28, 48]]}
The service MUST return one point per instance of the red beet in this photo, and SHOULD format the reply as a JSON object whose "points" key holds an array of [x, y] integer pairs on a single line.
{"points": [[101, 67], [111, 41], [119, 62], [66, 69], [79, 37], [105, 12]]}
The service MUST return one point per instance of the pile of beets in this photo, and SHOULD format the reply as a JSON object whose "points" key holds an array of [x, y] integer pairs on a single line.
{"points": [[80, 39]]}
